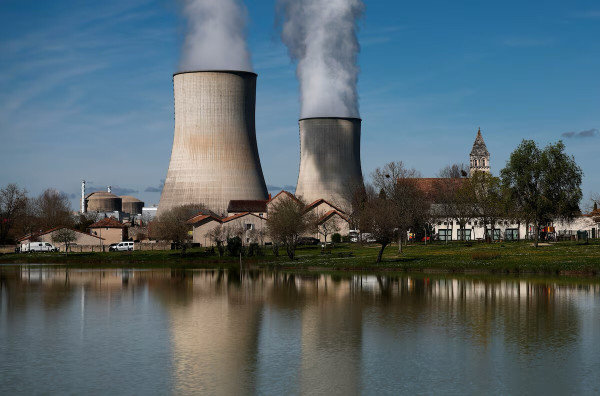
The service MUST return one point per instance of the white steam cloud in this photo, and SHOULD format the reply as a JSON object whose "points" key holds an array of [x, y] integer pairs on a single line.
{"points": [[215, 37], [321, 37]]}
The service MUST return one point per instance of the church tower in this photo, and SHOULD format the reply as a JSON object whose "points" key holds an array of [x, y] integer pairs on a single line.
{"points": [[480, 156]]}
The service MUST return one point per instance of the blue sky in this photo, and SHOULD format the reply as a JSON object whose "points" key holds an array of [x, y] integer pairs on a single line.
{"points": [[86, 87]]}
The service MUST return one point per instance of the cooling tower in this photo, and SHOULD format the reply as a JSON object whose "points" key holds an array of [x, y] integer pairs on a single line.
{"points": [[329, 160], [214, 157]]}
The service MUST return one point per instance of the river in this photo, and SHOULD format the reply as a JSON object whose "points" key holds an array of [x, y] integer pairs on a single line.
{"points": [[157, 332]]}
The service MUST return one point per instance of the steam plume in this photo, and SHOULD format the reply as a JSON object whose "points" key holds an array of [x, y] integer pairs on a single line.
{"points": [[321, 37], [215, 37]]}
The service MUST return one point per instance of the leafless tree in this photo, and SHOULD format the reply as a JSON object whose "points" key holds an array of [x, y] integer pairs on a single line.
{"points": [[13, 201], [488, 200], [287, 222], [410, 206], [53, 209], [454, 171], [328, 227], [218, 236], [172, 225], [375, 219], [65, 236]]}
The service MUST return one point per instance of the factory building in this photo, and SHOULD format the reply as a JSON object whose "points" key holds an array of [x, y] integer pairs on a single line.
{"points": [[103, 201], [214, 158], [131, 205]]}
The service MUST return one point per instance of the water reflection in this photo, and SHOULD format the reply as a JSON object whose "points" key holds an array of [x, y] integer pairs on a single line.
{"points": [[254, 332]]}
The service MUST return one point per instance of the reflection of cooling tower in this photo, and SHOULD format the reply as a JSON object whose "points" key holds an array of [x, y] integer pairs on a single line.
{"points": [[329, 159], [215, 156]]}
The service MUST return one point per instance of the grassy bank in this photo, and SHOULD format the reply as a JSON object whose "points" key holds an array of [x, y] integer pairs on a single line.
{"points": [[456, 257]]}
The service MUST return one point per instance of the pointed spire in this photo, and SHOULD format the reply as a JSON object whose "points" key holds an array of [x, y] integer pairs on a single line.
{"points": [[479, 147]]}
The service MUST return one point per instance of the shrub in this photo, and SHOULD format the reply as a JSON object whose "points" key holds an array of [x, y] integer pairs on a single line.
{"points": [[234, 246], [336, 238]]}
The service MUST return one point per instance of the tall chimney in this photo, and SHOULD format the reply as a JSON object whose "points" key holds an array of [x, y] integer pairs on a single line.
{"points": [[329, 160], [215, 156], [83, 203]]}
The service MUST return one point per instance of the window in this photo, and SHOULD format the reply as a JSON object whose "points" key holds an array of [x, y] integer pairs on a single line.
{"points": [[445, 234], [511, 234], [483, 162], [496, 236], [249, 227], [463, 235]]}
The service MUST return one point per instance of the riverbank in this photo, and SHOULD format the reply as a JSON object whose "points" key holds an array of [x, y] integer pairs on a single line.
{"points": [[565, 258]]}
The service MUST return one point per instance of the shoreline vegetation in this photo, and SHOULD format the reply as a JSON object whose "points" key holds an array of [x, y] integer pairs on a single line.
{"points": [[508, 258]]}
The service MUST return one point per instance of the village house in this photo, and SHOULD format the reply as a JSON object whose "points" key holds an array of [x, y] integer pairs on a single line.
{"points": [[81, 238], [110, 230]]}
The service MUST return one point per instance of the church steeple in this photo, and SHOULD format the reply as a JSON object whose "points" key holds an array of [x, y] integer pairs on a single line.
{"points": [[480, 156]]}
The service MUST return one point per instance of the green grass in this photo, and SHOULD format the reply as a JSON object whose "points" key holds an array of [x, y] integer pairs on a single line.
{"points": [[504, 258]]}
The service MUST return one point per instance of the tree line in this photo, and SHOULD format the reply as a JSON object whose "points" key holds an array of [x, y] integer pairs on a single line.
{"points": [[21, 214], [537, 186]]}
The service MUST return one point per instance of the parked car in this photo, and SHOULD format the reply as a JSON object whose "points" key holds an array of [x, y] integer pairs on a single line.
{"points": [[38, 247], [112, 247], [123, 247]]}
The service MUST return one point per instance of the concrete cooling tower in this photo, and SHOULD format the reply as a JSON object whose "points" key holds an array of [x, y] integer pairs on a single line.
{"points": [[329, 159], [215, 156]]}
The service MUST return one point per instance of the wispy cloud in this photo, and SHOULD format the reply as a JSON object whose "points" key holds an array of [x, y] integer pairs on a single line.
{"points": [[286, 187], [590, 14], [158, 189], [583, 134]]}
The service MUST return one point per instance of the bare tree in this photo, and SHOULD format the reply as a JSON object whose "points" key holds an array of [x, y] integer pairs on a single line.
{"points": [[410, 205], [376, 220], [464, 206], [13, 203], [488, 200], [454, 171], [172, 225], [287, 222], [218, 236], [327, 227], [53, 209], [65, 236]]}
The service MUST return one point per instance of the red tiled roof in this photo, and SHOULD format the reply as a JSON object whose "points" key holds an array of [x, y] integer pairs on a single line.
{"points": [[201, 217], [284, 192], [239, 206], [39, 234], [431, 186], [319, 202], [235, 216], [330, 214], [109, 222]]}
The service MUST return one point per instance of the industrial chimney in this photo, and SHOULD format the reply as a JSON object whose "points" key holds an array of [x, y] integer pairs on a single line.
{"points": [[215, 156], [329, 160], [83, 202]]}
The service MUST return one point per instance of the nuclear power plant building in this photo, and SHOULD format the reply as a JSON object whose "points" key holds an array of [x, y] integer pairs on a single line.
{"points": [[329, 160], [215, 155]]}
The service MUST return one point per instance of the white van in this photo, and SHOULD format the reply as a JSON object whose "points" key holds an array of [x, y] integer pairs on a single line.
{"points": [[38, 247], [122, 247]]}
